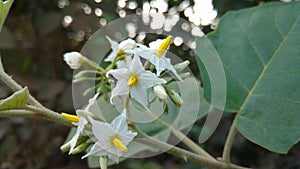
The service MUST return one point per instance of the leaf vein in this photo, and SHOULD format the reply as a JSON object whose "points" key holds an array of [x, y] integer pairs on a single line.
{"points": [[276, 97], [266, 66], [235, 78], [252, 44], [279, 73]]}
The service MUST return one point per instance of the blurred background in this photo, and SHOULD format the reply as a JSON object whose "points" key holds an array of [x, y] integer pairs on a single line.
{"points": [[37, 33]]}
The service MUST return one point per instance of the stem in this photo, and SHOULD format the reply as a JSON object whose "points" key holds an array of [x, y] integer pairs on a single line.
{"points": [[49, 115], [191, 144], [186, 155], [93, 64], [229, 141], [33, 114], [86, 72], [186, 140], [113, 63]]}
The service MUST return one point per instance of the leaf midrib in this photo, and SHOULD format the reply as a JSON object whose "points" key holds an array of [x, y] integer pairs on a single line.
{"points": [[250, 93]]}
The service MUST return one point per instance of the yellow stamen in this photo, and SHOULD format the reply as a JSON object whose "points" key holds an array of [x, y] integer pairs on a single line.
{"points": [[132, 80], [119, 145], [164, 46], [70, 117]]}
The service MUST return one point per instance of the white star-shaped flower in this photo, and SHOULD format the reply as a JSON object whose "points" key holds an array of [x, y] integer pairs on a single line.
{"points": [[124, 50], [80, 121], [134, 80], [112, 138], [156, 53]]}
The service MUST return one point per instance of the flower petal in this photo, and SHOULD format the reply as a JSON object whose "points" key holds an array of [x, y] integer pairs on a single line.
{"points": [[91, 102], [120, 89], [165, 63], [124, 63], [119, 73], [148, 79], [127, 44], [119, 124], [80, 127], [114, 45], [95, 150], [136, 65], [127, 137], [101, 130], [155, 44], [140, 95]]}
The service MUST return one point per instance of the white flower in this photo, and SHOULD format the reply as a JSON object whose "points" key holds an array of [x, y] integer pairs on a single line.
{"points": [[124, 50], [73, 59], [156, 55], [134, 80], [160, 92], [112, 139], [80, 121]]}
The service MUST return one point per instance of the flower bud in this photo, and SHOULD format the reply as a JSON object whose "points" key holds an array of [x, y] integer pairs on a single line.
{"points": [[73, 59], [65, 147], [103, 162], [185, 75], [181, 66], [80, 148], [175, 97], [160, 92]]}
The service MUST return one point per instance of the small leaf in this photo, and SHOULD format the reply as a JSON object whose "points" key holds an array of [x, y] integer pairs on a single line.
{"points": [[17, 100], [260, 49], [4, 8]]}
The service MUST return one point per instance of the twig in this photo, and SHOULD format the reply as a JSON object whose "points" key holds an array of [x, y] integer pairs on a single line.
{"points": [[32, 114], [229, 141], [186, 155], [186, 140]]}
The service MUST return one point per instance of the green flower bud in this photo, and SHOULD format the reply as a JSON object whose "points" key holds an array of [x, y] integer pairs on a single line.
{"points": [[185, 75], [65, 147], [160, 92], [175, 97], [181, 66], [80, 148], [103, 162]]}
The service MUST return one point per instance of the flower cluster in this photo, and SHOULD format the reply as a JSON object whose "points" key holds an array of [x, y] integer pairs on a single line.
{"points": [[134, 71]]}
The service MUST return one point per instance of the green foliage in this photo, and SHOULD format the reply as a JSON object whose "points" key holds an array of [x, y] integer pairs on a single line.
{"points": [[17, 100], [4, 8], [260, 49]]}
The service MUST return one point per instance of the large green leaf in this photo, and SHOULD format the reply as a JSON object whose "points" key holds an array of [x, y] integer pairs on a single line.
{"points": [[17, 100], [4, 8], [260, 51]]}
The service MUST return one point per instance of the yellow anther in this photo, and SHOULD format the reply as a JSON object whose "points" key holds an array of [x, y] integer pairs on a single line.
{"points": [[132, 80], [164, 46], [119, 145], [70, 117]]}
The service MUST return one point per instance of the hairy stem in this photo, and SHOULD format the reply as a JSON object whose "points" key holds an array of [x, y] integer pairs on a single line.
{"points": [[93, 64], [34, 113], [186, 155], [186, 140], [229, 141], [49, 115]]}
